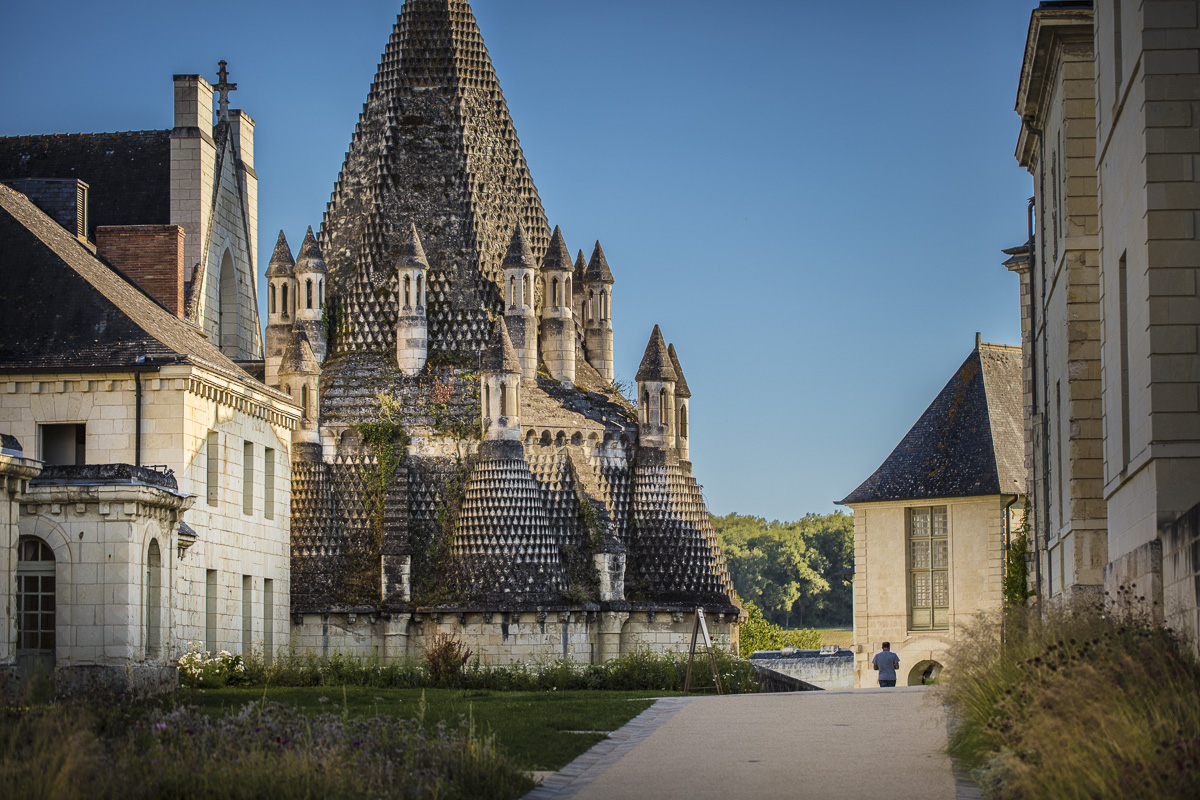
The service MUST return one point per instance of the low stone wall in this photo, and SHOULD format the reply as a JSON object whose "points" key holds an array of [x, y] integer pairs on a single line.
{"points": [[820, 669], [133, 680]]}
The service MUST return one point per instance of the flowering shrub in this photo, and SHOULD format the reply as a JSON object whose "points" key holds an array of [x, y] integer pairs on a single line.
{"points": [[198, 669]]}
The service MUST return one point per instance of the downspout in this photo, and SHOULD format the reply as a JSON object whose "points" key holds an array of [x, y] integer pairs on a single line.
{"points": [[137, 416], [1033, 260]]}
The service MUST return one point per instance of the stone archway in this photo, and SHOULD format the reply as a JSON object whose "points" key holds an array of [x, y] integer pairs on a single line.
{"points": [[924, 673]]}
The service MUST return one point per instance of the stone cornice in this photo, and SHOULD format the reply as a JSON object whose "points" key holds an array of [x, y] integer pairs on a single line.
{"points": [[1049, 31]]}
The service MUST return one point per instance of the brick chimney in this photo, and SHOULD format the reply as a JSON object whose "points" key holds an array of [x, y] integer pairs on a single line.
{"points": [[149, 255]]}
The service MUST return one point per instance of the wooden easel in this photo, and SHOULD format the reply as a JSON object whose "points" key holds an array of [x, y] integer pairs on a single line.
{"points": [[699, 627]]}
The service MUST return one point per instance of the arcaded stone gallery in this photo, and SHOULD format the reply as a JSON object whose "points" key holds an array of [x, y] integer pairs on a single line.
{"points": [[431, 414]]}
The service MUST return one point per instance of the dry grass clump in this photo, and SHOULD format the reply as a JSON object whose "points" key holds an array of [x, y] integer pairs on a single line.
{"points": [[267, 750], [1086, 704]]}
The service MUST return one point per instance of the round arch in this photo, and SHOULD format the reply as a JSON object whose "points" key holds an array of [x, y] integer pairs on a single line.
{"points": [[924, 673]]}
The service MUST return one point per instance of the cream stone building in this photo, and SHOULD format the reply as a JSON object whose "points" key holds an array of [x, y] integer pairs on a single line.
{"points": [[147, 472], [1109, 97], [932, 524]]}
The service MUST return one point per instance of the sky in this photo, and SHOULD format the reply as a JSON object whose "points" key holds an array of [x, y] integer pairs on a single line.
{"points": [[809, 198]]}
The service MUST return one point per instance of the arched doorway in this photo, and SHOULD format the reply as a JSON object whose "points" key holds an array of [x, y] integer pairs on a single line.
{"points": [[924, 673], [36, 617]]}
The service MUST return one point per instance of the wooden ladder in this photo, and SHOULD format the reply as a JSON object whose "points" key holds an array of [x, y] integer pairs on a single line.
{"points": [[700, 627]]}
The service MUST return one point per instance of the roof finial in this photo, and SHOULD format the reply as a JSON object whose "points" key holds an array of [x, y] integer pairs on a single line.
{"points": [[224, 87]]}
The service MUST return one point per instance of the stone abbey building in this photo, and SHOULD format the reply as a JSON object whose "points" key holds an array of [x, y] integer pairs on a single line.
{"points": [[427, 437]]}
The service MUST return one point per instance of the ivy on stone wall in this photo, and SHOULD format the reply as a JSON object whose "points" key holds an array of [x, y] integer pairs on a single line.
{"points": [[435, 569], [386, 440], [579, 561], [439, 406], [1016, 569]]}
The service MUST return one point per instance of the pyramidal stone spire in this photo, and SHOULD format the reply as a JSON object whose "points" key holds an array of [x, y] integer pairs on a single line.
{"points": [[656, 363], [597, 268], [558, 257], [519, 255], [412, 254], [500, 355], [580, 269], [281, 260], [681, 387], [310, 259], [435, 93]]}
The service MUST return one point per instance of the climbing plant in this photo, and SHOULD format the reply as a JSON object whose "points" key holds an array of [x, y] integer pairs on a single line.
{"points": [[384, 437], [435, 568], [459, 426], [1016, 569], [579, 561]]}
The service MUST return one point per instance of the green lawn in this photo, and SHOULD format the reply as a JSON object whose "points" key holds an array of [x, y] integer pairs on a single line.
{"points": [[842, 637], [539, 730]]}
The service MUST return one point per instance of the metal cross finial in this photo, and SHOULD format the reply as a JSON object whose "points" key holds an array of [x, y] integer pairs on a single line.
{"points": [[224, 87]]}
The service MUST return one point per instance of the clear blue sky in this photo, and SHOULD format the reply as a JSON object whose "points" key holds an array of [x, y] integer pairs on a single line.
{"points": [[810, 198]]}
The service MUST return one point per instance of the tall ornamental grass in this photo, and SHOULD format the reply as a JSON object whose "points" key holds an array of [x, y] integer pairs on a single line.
{"points": [[1084, 704]]}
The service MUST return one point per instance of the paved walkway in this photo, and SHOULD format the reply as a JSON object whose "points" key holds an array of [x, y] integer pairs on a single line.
{"points": [[868, 743]]}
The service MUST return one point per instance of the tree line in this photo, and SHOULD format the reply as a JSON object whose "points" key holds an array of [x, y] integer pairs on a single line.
{"points": [[796, 572]]}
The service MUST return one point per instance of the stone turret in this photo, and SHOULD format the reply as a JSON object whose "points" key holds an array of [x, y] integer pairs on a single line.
{"points": [[412, 332], [300, 377], [310, 294], [558, 323], [281, 294], [520, 288], [500, 391], [597, 314], [656, 379], [682, 412]]}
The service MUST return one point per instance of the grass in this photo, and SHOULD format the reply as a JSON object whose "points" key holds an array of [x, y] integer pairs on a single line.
{"points": [[536, 730], [1085, 704], [842, 637]]}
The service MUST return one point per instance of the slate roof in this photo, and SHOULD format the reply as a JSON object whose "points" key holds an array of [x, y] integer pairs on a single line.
{"points": [[519, 255], [681, 387], [65, 309], [128, 173], [281, 260], [412, 254], [597, 268], [656, 362], [969, 442], [558, 257]]}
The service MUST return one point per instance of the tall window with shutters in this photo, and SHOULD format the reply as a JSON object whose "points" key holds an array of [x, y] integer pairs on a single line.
{"points": [[928, 569]]}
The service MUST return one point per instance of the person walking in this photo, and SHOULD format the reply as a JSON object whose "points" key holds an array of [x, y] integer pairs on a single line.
{"points": [[887, 663]]}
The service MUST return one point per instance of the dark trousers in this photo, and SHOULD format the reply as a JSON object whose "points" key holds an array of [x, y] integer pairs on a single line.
{"points": [[882, 682]]}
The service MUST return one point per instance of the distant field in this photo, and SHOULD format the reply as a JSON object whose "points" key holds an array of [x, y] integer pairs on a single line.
{"points": [[842, 637]]}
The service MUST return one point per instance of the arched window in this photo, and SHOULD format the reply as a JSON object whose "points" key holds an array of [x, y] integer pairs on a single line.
{"points": [[321, 293], [420, 291], [153, 600], [664, 411], [407, 291], [554, 294], [227, 305], [646, 407], [683, 422], [512, 291], [287, 389], [36, 599], [272, 296], [603, 305], [591, 300], [525, 291], [304, 401], [487, 401], [308, 287], [284, 305], [503, 399], [567, 286]]}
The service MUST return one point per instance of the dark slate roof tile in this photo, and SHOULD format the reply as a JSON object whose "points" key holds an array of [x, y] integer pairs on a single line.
{"points": [[681, 387], [656, 363]]}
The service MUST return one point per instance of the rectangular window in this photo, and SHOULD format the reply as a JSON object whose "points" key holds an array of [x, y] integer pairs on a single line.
{"points": [[64, 444], [1059, 500], [928, 569], [248, 478], [269, 483], [247, 612], [210, 611], [268, 619], [1118, 66], [1123, 299], [213, 455]]}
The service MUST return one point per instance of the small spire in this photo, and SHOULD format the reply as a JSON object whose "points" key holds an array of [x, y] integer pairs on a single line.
{"points": [[681, 387], [597, 268], [281, 260], [580, 269], [656, 363], [519, 255], [223, 88], [499, 355], [310, 259], [412, 254], [558, 257]]}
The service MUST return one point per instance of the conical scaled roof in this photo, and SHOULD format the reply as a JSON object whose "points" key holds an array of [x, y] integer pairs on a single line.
{"points": [[281, 260], [519, 255], [656, 363], [580, 269], [412, 254], [435, 94], [558, 257], [310, 259], [298, 357], [597, 268], [681, 387], [499, 355]]}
